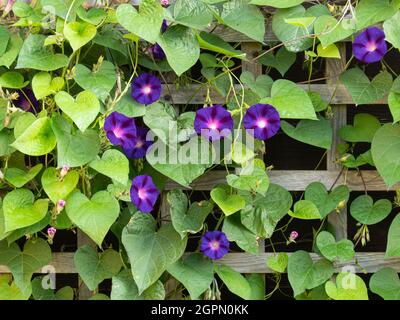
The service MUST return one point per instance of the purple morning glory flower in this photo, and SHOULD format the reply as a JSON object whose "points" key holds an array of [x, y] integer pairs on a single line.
{"points": [[263, 119], [213, 122], [120, 129], [214, 244], [157, 52], [140, 145], [370, 45], [164, 26], [146, 89], [144, 193], [27, 101]]}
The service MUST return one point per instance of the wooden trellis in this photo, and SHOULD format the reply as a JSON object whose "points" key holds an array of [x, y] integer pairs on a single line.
{"points": [[292, 180]]}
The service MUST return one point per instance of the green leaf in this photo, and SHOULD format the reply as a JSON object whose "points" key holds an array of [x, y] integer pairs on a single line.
{"points": [[278, 262], [392, 30], [93, 216], [35, 255], [386, 283], [22, 122], [364, 91], [74, 149], [226, 200], [332, 250], [11, 53], [57, 188], [12, 292], [21, 210], [40, 293], [245, 18], [348, 286], [79, 33], [83, 110], [12, 80], [364, 210], [282, 61], [185, 218], [257, 284], [305, 210], [370, 12], [195, 272], [94, 267], [394, 100], [94, 15], [261, 85], [363, 130], [43, 85], [331, 51], [287, 97], [304, 274], [18, 178], [181, 48], [150, 252], [35, 55], [234, 281], [111, 38], [113, 164], [214, 43], [145, 23], [250, 179], [4, 39], [62, 8], [393, 242], [314, 132], [30, 230], [326, 203], [329, 30], [237, 232], [37, 140], [193, 14], [6, 139], [277, 3], [130, 107], [100, 81]]}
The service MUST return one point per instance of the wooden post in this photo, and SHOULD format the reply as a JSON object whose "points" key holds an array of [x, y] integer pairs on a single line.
{"points": [[334, 67]]}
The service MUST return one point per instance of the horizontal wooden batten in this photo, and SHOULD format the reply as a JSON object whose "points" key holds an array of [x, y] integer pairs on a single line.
{"points": [[298, 180], [251, 263], [196, 94]]}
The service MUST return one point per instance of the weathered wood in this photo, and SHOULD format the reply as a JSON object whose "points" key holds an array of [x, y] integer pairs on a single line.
{"points": [[334, 67], [249, 263], [196, 94], [298, 180], [84, 293]]}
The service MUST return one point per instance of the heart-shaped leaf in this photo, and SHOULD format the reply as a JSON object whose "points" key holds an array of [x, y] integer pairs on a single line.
{"points": [[251, 178], [93, 216], [82, 110], [12, 80], [363, 129], [364, 91], [12, 50], [145, 23], [11, 291], [364, 210], [150, 252], [386, 283], [304, 274], [316, 133], [370, 12], [348, 286], [226, 200], [74, 149], [237, 232], [100, 81], [94, 267], [305, 210], [195, 272], [393, 242], [278, 262], [316, 192], [35, 55], [329, 30], [18, 178], [234, 281], [43, 85], [113, 164], [281, 61], [21, 210], [185, 218], [57, 188], [79, 33], [38, 139], [35, 255], [40, 293], [261, 85], [194, 14], [332, 250]]}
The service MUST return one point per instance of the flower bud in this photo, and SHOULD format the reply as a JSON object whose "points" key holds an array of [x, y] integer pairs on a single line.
{"points": [[60, 206], [64, 171], [51, 232]]}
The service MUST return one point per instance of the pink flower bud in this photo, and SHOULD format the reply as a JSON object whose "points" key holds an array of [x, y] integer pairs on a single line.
{"points": [[60, 206], [293, 235], [164, 2], [51, 232], [64, 171]]}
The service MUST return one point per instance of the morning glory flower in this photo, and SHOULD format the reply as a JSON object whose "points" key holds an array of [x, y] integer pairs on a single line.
{"points": [[146, 89], [213, 122], [263, 120], [26, 101], [370, 45], [144, 193], [157, 52], [120, 129], [164, 26], [214, 244], [140, 145]]}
